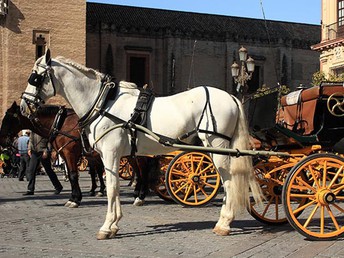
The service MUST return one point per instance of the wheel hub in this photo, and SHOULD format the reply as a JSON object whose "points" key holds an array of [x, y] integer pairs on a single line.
{"points": [[326, 197], [195, 179]]}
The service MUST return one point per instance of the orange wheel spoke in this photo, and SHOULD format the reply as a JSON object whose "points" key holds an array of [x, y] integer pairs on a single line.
{"points": [[341, 198], [204, 193], [322, 219], [267, 206], [210, 176], [276, 207], [303, 207], [338, 189], [335, 177], [310, 167], [333, 218], [182, 186], [179, 173], [305, 185], [324, 173], [187, 192], [311, 216], [338, 207], [195, 193], [301, 195], [209, 185]]}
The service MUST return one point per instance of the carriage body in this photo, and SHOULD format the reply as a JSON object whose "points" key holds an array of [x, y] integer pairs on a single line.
{"points": [[309, 125]]}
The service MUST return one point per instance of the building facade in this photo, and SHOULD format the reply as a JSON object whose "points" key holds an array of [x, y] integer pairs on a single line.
{"points": [[169, 50], [27, 28], [173, 51], [331, 46]]}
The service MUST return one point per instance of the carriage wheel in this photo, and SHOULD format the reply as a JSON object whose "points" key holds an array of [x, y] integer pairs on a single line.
{"points": [[192, 179], [271, 175], [320, 179], [125, 169], [160, 187]]}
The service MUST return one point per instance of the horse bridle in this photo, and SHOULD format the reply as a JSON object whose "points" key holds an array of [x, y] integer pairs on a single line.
{"points": [[34, 101]]}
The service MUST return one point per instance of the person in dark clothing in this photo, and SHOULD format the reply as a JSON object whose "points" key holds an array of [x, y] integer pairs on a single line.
{"points": [[23, 144], [40, 151]]}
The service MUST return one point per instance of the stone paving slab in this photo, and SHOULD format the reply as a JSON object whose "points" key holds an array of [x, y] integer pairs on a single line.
{"points": [[40, 226]]}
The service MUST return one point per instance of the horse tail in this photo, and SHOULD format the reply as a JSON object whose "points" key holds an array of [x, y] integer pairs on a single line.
{"points": [[241, 168]]}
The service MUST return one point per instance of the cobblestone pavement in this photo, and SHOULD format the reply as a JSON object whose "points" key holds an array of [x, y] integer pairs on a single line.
{"points": [[40, 226]]}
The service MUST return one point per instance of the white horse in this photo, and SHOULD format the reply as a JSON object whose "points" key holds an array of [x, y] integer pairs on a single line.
{"points": [[204, 108]]}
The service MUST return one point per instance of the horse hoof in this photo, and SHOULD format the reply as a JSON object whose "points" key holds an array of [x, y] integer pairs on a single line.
{"points": [[73, 205], [100, 194], [221, 231], [113, 232], [101, 235]]}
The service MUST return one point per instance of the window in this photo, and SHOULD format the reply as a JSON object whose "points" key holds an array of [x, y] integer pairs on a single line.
{"points": [[340, 15], [3, 7], [138, 68], [40, 46], [254, 83], [340, 12], [40, 38]]}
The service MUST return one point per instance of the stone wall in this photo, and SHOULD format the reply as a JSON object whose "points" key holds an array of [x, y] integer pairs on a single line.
{"points": [[61, 24]]}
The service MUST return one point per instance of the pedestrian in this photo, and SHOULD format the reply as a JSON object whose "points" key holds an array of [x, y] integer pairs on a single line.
{"points": [[5, 157], [40, 151], [23, 144]]}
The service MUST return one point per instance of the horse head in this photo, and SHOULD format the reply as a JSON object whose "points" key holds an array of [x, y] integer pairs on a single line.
{"points": [[11, 125], [77, 84], [40, 86]]}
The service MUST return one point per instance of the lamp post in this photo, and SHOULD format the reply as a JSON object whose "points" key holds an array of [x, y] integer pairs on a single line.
{"points": [[243, 73]]}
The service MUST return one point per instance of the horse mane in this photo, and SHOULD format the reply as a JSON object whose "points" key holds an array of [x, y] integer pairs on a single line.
{"points": [[80, 67], [122, 84], [127, 85]]}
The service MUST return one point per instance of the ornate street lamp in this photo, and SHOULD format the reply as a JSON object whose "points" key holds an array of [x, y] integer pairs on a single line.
{"points": [[241, 74]]}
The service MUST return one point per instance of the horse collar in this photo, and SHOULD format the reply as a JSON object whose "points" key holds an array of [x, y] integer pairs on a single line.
{"points": [[108, 90]]}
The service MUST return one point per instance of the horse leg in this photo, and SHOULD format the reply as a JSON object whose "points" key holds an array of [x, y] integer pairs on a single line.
{"points": [[100, 170], [93, 179], [227, 215], [73, 176], [143, 165], [114, 211], [138, 195]]}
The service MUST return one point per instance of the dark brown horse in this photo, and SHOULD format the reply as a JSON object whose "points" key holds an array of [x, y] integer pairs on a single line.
{"points": [[60, 126]]}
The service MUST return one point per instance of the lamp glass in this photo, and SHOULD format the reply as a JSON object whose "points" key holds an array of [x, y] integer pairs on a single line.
{"points": [[242, 54], [250, 65], [235, 69]]}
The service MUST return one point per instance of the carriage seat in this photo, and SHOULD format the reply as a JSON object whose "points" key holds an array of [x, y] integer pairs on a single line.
{"points": [[297, 112]]}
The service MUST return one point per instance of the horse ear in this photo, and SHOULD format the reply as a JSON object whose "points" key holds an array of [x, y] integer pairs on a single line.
{"points": [[48, 57], [14, 104]]}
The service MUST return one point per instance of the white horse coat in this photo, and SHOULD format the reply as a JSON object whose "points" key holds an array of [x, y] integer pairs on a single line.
{"points": [[170, 116]]}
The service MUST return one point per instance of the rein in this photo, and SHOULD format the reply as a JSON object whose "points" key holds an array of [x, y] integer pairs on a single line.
{"points": [[54, 130]]}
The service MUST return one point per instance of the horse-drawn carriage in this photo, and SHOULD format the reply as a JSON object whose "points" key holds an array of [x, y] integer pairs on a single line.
{"points": [[309, 126], [311, 187]]}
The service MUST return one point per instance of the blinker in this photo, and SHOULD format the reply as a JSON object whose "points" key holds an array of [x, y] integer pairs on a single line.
{"points": [[36, 79]]}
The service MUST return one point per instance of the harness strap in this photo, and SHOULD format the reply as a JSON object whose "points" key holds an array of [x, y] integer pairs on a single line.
{"points": [[213, 120], [106, 91], [58, 122], [86, 147]]}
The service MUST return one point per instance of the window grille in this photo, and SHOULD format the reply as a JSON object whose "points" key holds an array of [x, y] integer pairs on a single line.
{"points": [[3, 7]]}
